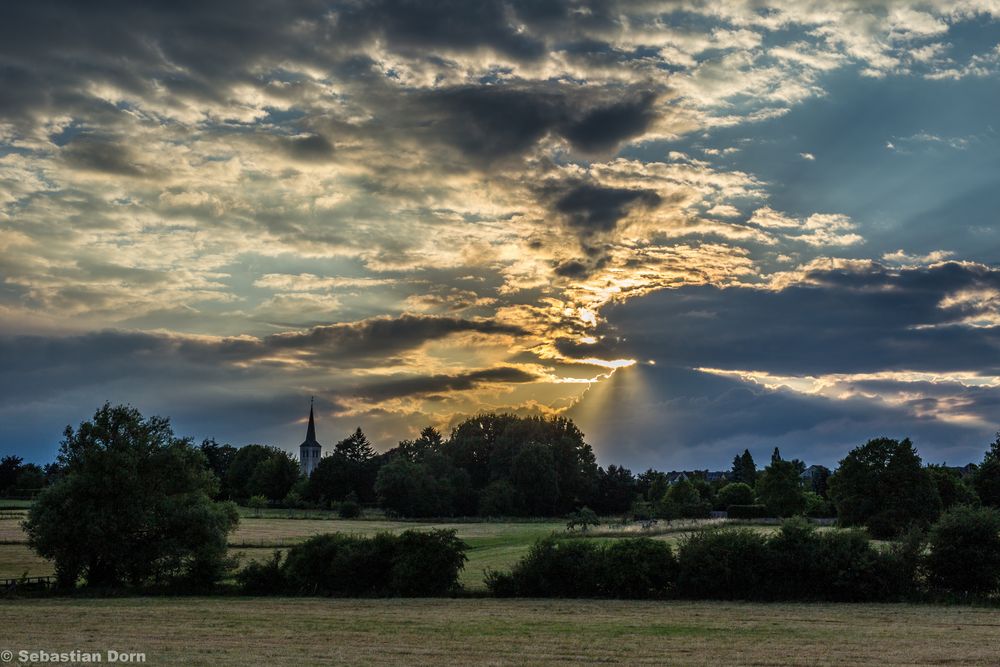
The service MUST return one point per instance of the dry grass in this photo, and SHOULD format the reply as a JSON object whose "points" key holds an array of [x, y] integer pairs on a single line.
{"points": [[280, 631]]}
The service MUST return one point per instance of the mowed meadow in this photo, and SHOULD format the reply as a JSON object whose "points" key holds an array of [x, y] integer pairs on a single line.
{"points": [[231, 630], [222, 631]]}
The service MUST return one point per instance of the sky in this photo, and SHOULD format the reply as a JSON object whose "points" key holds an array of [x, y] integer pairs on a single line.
{"points": [[693, 227]]}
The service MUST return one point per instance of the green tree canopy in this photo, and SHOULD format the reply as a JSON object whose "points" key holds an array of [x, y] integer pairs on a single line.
{"points": [[951, 488], [882, 485], [219, 457], [408, 488], [744, 469], [133, 506], [355, 447], [488, 447], [987, 477], [10, 466], [735, 493], [780, 488], [615, 490]]}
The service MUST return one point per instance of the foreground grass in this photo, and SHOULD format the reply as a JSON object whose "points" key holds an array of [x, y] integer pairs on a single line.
{"points": [[279, 631]]}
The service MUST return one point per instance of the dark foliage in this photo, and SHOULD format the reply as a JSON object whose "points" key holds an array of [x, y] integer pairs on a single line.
{"points": [[779, 487], [883, 486], [986, 479], [734, 493], [266, 578], [630, 568], [964, 556], [411, 564], [545, 460], [951, 488], [748, 512], [722, 564], [133, 506], [744, 469], [616, 489]]}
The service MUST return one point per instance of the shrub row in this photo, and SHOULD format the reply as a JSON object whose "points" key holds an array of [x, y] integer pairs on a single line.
{"points": [[798, 563], [632, 568], [411, 564]]}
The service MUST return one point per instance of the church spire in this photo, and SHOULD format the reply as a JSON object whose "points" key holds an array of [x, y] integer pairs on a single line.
{"points": [[311, 431], [310, 450]]}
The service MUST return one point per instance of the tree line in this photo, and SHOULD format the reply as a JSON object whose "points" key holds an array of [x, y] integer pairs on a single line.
{"points": [[506, 465], [129, 503]]}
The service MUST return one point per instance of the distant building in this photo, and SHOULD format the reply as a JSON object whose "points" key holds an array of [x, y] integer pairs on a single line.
{"points": [[813, 472], [310, 450]]}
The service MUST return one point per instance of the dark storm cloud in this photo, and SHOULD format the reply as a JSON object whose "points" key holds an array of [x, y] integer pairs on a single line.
{"points": [[490, 123], [417, 386], [590, 208], [105, 155], [308, 148], [851, 320], [337, 345], [348, 344], [459, 25]]}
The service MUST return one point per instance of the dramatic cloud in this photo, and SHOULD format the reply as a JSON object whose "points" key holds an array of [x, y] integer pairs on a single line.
{"points": [[417, 211]]}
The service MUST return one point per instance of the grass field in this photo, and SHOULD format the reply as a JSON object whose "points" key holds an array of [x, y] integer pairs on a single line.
{"points": [[278, 631]]}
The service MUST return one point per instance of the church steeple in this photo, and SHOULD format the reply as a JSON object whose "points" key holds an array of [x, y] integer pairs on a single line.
{"points": [[310, 450], [311, 431]]}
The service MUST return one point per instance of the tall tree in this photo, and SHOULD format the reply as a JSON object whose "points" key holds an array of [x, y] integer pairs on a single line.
{"points": [[355, 447], [744, 468], [219, 456], [882, 485], [10, 466], [615, 490], [780, 488], [134, 506]]}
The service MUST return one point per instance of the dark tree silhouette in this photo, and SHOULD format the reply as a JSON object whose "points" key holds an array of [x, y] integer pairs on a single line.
{"points": [[134, 506]]}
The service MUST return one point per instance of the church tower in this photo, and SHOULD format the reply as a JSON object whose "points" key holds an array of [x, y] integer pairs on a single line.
{"points": [[309, 451]]}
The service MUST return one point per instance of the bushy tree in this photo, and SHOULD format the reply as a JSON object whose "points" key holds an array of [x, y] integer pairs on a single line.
{"points": [[780, 488], [219, 458], [951, 488], [682, 501], [964, 556], [30, 479], [407, 488], [652, 485], [533, 474], [536, 456], [10, 466], [353, 467], [500, 498], [134, 506], [583, 519], [275, 476], [616, 490], [241, 468], [986, 479], [882, 485], [734, 493]]}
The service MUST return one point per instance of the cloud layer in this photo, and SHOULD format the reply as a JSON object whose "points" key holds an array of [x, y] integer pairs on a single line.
{"points": [[420, 210]]}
